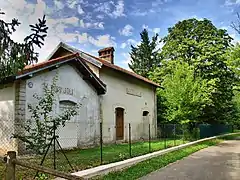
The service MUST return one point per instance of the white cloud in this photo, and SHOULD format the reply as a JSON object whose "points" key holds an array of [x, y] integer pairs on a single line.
{"points": [[123, 45], [95, 25], [156, 30], [58, 4], [80, 10], [100, 16], [104, 7], [232, 2], [126, 61], [133, 42], [71, 3], [144, 26], [102, 40], [127, 30], [137, 12], [28, 13], [127, 58], [110, 8], [119, 9], [83, 38]]}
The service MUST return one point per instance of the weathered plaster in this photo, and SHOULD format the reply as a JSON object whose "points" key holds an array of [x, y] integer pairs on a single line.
{"points": [[83, 129], [134, 96]]}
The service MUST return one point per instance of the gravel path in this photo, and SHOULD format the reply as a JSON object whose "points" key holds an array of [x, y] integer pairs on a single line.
{"points": [[220, 162]]}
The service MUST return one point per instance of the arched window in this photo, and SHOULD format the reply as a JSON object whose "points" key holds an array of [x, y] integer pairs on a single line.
{"points": [[66, 104]]}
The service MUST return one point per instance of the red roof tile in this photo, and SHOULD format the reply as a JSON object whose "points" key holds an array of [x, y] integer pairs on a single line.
{"points": [[40, 65], [30, 68]]}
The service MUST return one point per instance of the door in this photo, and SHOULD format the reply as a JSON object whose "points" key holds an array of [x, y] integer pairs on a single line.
{"points": [[119, 123]]}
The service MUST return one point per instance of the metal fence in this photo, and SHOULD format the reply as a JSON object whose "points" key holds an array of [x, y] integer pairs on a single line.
{"points": [[91, 144]]}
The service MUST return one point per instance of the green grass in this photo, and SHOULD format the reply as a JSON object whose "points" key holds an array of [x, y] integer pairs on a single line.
{"points": [[145, 167], [86, 158]]}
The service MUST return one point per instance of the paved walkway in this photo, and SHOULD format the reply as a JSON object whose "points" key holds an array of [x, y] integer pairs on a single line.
{"points": [[220, 162]]}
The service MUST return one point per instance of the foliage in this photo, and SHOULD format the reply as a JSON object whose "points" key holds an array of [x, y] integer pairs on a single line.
{"points": [[15, 56], [144, 57], [42, 176], [233, 62], [43, 122], [202, 46], [185, 95]]}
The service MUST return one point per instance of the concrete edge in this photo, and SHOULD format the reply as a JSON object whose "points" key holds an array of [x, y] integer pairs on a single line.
{"points": [[116, 166]]}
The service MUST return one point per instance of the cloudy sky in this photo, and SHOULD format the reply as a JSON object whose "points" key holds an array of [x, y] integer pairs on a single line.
{"points": [[93, 24]]}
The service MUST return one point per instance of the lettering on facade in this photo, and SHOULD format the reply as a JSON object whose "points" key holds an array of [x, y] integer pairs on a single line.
{"points": [[133, 92], [62, 90]]}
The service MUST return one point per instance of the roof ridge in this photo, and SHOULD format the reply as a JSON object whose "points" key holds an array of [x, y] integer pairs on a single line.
{"points": [[51, 60], [123, 69]]}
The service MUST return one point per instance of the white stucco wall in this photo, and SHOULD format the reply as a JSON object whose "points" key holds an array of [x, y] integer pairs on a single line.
{"points": [[140, 97], [7, 101], [82, 129]]}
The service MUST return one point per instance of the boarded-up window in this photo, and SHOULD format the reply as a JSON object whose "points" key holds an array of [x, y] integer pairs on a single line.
{"points": [[65, 105]]}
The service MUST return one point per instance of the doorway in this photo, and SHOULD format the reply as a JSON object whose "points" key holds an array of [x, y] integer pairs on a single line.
{"points": [[145, 124], [119, 123]]}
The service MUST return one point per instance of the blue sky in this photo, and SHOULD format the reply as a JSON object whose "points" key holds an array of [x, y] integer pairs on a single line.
{"points": [[94, 24]]}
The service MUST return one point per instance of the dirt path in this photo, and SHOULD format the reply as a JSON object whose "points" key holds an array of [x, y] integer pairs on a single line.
{"points": [[220, 162]]}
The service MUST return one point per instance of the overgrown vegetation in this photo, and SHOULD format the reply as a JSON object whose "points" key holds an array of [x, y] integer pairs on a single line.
{"points": [[198, 69], [39, 129]]}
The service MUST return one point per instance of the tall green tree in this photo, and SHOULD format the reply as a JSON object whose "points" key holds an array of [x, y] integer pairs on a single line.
{"points": [[184, 95], [233, 62], [15, 56], [201, 45], [144, 57]]}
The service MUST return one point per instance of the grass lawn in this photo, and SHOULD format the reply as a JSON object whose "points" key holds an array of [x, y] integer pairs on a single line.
{"points": [[143, 168], [87, 158]]}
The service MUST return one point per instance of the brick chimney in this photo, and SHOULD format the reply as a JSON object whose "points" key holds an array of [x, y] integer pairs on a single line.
{"points": [[107, 54]]}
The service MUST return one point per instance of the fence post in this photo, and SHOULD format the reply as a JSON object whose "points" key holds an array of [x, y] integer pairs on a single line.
{"points": [[174, 135], [165, 137], [54, 145], [130, 140], [183, 133], [10, 166], [149, 137], [101, 144]]}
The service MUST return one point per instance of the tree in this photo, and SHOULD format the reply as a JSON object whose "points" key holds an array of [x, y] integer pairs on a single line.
{"points": [[201, 45], [39, 129], [144, 57], [185, 95], [15, 56], [233, 62]]}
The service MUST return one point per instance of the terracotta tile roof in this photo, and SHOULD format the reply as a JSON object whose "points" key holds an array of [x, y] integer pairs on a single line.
{"points": [[40, 65], [79, 63], [107, 64]]}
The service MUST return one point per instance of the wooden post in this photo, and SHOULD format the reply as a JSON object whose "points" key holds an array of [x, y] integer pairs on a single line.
{"points": [[10, 165]]}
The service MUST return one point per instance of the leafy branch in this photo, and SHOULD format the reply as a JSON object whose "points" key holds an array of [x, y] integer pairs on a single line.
{"points": [[15, 56]]}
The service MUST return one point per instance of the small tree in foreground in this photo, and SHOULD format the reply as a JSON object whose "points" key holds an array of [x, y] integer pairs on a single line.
{"points": [[39, 129]]}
